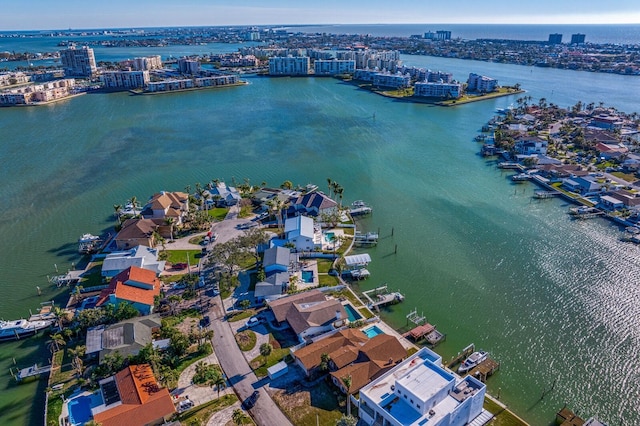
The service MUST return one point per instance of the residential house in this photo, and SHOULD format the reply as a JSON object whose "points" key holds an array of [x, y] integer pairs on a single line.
{"points": [[277, 259], [133, 397], [136, 232], [606, 121], [273, 287], [611, 203], [126, 337], [611, 151], [167, 205], [312, 204], [620, 199], [585, 185], [528, 145], [301, 233], [140, 256], [600, 136], [421, 391], [309, 313], [134, 285], [342, 348], [223, 195], [377, 356]]}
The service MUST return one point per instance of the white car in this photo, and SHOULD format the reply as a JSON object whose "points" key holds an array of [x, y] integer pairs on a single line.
{"points": [[253, 321]]}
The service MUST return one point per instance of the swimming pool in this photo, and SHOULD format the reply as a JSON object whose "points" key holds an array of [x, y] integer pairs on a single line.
{"points": [[352, 313], [307, 276], [329, 236], [80, 410], [372, 331]]}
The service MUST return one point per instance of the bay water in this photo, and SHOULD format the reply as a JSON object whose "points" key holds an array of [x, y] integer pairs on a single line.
{"points": [[554, 300]]}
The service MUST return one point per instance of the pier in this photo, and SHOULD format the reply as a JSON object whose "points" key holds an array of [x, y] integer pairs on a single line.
{"points": [[34, 370], [485, 369], [423, 330], [383, 297], [545, 194], [461, 356], [370, 238]]}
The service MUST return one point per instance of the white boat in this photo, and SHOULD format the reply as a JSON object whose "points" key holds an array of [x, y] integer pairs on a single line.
{"points": [[17, 329], [358, 203], [88, 243], [473, 360]]}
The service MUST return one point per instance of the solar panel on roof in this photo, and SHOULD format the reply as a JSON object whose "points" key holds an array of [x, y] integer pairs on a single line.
{"points": [[110, 393]]}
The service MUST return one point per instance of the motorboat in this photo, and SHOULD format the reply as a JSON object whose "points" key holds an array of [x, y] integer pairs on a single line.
{"points": [[17, 329], [88, 243], [472, 361]]}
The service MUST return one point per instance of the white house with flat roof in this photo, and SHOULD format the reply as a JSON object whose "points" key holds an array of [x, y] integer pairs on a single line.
{"points": [[300, 232], [420, 391]]}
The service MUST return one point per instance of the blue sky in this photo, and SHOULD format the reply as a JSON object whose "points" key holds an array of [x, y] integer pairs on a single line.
{"points": [[60, 14]]}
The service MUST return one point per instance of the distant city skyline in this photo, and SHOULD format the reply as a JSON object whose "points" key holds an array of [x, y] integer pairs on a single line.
{"points": [[47, 14]]}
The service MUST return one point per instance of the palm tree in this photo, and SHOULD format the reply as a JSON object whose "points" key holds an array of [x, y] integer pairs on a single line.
{"points": [[347, 384], [219, 382], [170, 221], [58, 340], [77, 353], [134, 201], [265, 351], [330, 184], [238, 416], [60, 316], [324, 362], [117, 210]]}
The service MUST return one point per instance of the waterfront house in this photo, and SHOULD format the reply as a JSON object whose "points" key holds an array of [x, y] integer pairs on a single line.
{"points": [[165, 205], [377, 356], [528, 145], [585, 185], [133, 397], [610, 151], [126, 337], [301, 233], [223, 195], [136, 232], [312, 204], [342, 347], [607, 121], [140, 256], [134, 285], [309, 313], [420, 391]]}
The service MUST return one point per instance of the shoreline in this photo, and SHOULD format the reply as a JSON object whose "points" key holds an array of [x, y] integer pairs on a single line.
{"points": [[190, 89]]}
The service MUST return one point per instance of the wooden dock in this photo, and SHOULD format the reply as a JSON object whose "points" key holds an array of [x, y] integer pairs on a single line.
{"points": [[382, 297], [541, 195], [566, 417], [485, 369], [461, 356]]}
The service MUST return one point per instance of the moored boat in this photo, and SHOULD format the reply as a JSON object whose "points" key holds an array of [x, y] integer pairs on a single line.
{"points": [[88, 243], [17, 329], [472, 361]]}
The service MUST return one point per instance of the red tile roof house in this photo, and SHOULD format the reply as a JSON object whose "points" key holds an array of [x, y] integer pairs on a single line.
{"points": [[164, 205], [134, 285], [136, 399], [136, 232]]}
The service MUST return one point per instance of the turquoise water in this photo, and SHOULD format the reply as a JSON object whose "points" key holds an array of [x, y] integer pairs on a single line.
{"points": [[373, 331], [352, 313], [329, 236], [307, 276], [552, 299]]}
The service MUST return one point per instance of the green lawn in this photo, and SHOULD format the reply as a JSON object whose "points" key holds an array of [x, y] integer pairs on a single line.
{"points": [[327, 280], [347, 295], [366, 313], [260, 368], [324, 265], [193, 357], [218, 213], [181, 256], [240, 315], [629, 177], [502, 417], [202, 413], [246, 340], [309, 407]]}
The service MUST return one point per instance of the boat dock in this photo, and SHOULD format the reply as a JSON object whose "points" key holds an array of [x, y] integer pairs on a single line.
{"points": [[461, 356], [359, 208], [584, 212], [45, 313], [423, 330], [370, 238], [545, 194], [510, 165], [566, 417], [34, 370], [70, 277], [382, 297], [485, 369]]}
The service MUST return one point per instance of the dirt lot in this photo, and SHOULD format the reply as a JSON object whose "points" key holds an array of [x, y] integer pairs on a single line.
{"points": [[301, 404]]}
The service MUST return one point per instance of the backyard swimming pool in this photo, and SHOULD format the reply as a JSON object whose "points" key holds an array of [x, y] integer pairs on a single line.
{"points": [[372, 331], [352, 313], [307, 276], [329, 236], [80, 410]]}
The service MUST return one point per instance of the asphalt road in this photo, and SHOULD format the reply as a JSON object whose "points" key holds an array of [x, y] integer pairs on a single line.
{"points": [[265, 412]]}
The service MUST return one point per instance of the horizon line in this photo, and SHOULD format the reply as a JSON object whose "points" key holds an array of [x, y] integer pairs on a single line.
{"points": [[316, 25]]}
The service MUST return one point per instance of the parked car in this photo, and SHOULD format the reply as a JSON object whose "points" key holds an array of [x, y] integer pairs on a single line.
{"points": [[251, 401], [253, 321], [205, 322]]}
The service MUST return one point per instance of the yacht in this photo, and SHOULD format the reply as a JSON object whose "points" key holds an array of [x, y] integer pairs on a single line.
{"points": [[473, 360], [12, 330]]}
